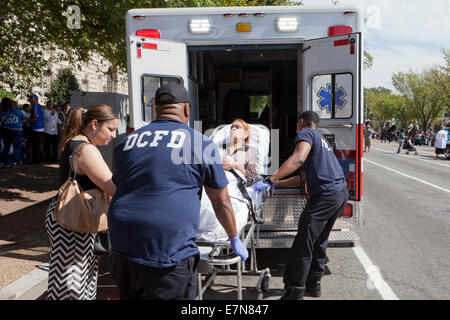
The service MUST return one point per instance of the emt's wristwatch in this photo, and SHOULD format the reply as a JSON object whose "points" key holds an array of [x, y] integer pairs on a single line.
{"points": [[268, 180]]}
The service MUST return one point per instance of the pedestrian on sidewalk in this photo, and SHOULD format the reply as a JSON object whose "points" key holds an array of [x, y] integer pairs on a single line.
{"points": [[441, 142], [37, 128], [12, 134], [51, 123], [73, 267]]}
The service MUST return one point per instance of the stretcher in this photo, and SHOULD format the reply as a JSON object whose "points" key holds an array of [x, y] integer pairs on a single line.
{"points": [[216, 255]]}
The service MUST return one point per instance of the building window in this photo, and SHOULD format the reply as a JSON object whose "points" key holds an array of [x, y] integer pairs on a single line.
{"points": [[111, 81]]}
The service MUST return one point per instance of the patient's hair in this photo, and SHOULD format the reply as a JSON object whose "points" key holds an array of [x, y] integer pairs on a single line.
{"points": [[309, 117], [246, 128]]}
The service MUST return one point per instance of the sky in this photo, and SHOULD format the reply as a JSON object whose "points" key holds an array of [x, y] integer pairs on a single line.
{"points": [[407, 36]]}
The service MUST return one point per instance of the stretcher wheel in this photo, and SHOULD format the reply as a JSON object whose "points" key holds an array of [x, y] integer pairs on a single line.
{"points": [[265, 284]]}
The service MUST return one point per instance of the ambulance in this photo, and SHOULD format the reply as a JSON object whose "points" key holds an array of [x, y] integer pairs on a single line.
{"points": [[265, 65]]}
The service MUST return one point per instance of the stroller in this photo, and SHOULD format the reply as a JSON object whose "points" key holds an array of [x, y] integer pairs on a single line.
{"points": [[408, 145]]}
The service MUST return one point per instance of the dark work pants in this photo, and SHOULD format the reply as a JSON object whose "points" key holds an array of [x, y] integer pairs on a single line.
{"points": [[36, 139], [140, 282], [308, 252], [51, 147]]}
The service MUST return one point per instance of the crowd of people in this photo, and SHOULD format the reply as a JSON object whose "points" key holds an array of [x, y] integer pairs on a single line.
{"points": [[409, 137], [32, 133]]}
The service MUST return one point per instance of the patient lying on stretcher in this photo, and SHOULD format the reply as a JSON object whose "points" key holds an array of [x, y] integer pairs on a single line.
{"points": [[238, 154], [241, 158]]}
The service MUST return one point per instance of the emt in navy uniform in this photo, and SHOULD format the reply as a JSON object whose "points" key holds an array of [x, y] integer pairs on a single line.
{"points": [[153, 218], [327, 199]]}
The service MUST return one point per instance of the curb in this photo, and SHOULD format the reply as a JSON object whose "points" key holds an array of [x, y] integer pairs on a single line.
{"points": [[28, 287]]}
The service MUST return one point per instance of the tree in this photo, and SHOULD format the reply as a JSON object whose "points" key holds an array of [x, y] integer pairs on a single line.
{"points": [[421, 95], [59, 90], [30, 28], [368, 60], [384, 105]]}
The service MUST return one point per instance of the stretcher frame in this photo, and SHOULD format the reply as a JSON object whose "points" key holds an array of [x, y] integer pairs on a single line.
{"points": [[216, 257]]}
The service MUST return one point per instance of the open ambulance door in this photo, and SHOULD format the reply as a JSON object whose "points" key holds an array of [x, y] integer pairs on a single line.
{"points": [[152, 63], [330, 85]]}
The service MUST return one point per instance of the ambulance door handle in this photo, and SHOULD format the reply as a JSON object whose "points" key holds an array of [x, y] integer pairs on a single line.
{"points": [[337, 126], [305, 49]]}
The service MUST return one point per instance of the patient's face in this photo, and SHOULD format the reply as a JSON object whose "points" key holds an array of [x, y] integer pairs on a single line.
{"points": [[238, 132]]}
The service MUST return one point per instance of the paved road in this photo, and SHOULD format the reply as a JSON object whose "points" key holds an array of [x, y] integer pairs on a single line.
{"points": [[404, 252], [405, 241], [407, 226]]}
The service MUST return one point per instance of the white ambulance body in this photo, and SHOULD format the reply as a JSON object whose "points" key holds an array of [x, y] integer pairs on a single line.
{"points": [[264, 65]]}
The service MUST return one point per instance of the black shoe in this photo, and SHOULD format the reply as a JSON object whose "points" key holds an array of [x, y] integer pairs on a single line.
{"points": [[293, 293], [313, 286]]}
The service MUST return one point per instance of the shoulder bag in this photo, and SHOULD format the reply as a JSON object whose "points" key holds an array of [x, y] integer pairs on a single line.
{"points": [[79, 210]]}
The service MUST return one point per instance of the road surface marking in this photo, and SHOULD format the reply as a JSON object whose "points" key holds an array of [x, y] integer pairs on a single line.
{"points": [[375, 277], [396, 147], [408, 176], [412, 157]]}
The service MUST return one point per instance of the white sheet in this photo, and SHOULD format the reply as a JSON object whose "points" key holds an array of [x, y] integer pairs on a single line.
{"points": [[210, 229]]}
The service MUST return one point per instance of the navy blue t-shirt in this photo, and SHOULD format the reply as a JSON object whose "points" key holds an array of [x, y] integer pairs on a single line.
{"points": [[323, 173], [159, 171]]}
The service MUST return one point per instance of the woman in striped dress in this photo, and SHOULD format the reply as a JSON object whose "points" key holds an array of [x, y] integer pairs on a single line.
{"points": [[73, 267]]}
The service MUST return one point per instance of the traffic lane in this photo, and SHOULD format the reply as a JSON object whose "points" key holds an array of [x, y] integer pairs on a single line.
{"points": [[344, 279], [420, 166], [404, 234]]}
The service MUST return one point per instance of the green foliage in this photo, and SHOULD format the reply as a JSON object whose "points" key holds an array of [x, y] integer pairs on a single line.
{"points": [[59, 89], [29, 28], [426, 94], [381, 104], [368, 60], [6, 94]]}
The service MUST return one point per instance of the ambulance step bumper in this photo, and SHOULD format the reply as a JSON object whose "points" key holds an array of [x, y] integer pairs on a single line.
{"points": [[284, 239]]}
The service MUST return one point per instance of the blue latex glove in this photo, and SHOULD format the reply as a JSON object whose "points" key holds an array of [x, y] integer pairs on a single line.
{"points": [[261, 185], [239, 248]]}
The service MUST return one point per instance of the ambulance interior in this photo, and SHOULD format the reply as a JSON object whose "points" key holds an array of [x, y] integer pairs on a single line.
{"points": [[257, 84]]}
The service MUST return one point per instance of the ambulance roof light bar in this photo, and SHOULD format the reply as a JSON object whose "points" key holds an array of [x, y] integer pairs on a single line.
{"points": [[200, 25], [287, 24]]}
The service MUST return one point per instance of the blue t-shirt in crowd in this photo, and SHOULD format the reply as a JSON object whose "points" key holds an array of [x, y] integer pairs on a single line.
{"points": [[159, 171], [324, 175], [38, 124], [13, 119]]}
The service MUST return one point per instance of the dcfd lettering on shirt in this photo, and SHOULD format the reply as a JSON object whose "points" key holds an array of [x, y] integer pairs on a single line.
{"points": [[326, 145], [145, 139]]}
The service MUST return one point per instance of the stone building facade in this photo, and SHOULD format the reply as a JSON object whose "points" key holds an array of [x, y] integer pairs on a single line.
{"points": [[98, 75]]}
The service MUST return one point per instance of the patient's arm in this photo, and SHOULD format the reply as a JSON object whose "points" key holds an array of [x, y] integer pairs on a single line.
{"points": [[221, 203]]}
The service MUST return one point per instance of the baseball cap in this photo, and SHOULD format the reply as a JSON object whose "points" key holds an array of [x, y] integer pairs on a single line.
{"points": [[33, 96], [177, 92]]}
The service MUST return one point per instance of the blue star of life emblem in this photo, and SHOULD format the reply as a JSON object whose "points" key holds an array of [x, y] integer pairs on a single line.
{"points": [[325, 98]]}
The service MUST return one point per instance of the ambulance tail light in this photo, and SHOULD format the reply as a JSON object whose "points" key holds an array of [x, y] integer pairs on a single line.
{"points": [[148, 33], [348, 211], [339, 30], [287, 24], [200, 26]]}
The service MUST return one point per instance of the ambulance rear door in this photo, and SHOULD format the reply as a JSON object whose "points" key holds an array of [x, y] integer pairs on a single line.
{"points": [[152, 63], [331, 86]]}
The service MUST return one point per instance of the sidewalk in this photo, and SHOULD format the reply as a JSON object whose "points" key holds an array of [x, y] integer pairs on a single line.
{"points": [[24, 196], [25, 193]]}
